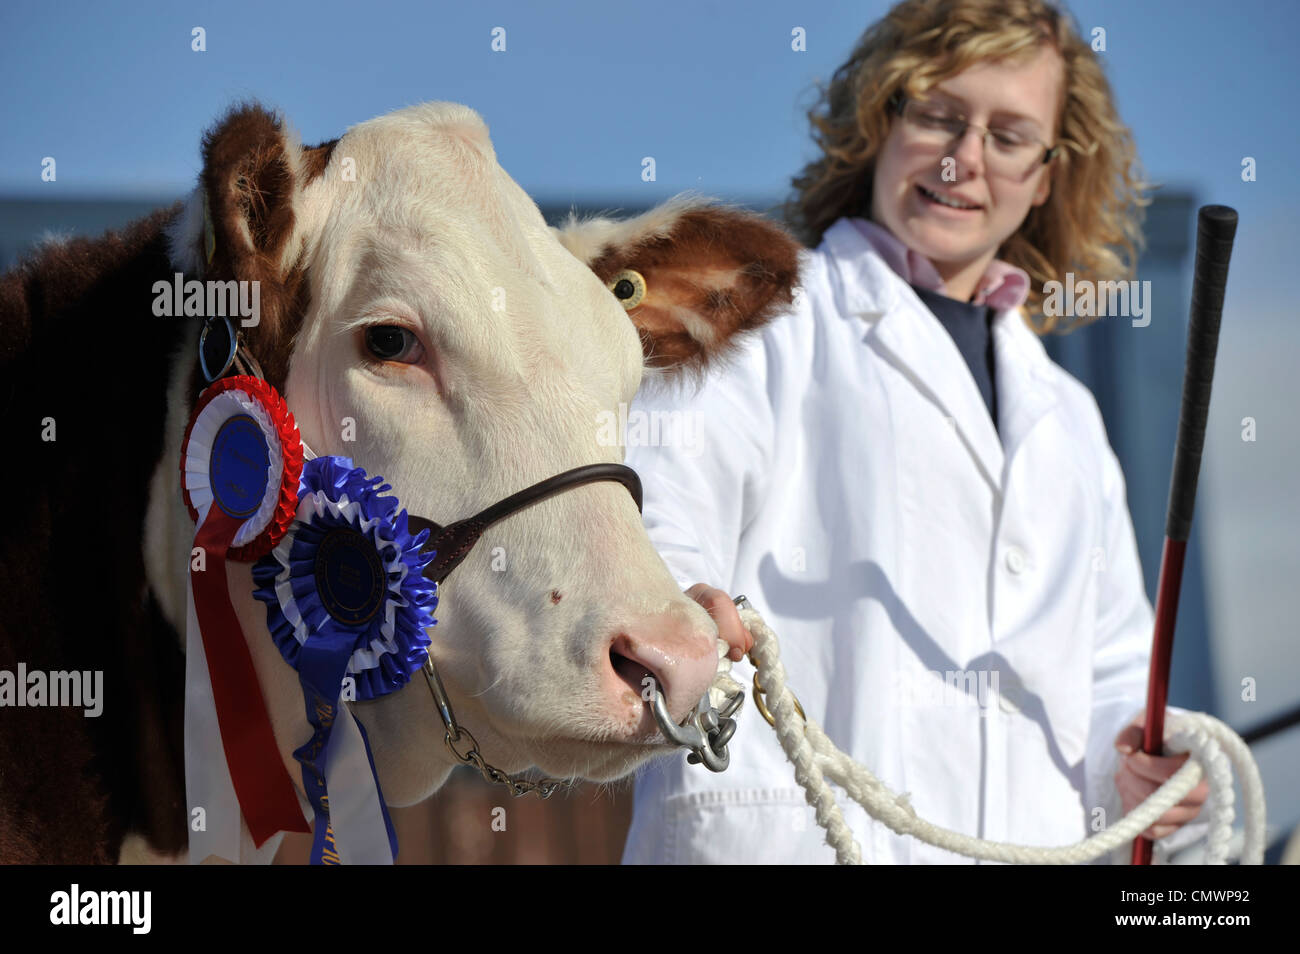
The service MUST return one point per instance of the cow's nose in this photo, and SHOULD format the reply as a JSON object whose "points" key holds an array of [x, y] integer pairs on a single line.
{"points": [[680, 658]]}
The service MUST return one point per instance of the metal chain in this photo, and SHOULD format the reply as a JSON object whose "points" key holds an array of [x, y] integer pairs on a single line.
{"points": [[705, 732], [543, 787]]}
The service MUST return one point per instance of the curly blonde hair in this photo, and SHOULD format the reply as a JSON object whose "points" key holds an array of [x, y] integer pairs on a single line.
{"points": [[1090, 224]]}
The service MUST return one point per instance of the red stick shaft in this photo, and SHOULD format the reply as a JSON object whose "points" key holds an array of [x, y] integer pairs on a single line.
{"points": [[1216, 225], [1162, 653]]}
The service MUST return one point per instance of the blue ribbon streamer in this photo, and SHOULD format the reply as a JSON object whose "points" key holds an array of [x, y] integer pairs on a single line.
{"points": [[323, 662]]}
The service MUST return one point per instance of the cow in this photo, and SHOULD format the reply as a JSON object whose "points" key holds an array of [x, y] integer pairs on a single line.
{"points": [[420, 317]]}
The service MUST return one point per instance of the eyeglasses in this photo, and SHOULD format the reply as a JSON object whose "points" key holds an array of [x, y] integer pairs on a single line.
{"points": [[1014, 152]]}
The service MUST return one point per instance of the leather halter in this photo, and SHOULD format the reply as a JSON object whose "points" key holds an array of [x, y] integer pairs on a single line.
{"points": [[454, 541]]}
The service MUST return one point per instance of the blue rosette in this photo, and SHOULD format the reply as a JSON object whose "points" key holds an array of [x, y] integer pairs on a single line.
{"points": [[346, 599], [349, 564]]}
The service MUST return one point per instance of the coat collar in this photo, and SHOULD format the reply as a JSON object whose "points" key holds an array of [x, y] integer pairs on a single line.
{"points": [[866, 289], [1001, 286]]}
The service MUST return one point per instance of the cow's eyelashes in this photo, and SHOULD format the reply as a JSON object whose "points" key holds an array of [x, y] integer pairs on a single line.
{"points": [[393, 343]]}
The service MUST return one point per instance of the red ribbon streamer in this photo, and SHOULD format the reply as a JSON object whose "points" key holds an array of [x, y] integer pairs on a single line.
{"points": [[262, 783]]}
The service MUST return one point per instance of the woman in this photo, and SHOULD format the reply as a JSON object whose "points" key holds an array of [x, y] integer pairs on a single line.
{"points": [[922, 505]]}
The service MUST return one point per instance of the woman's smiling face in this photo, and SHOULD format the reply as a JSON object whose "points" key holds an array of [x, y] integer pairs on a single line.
{"points": [[908, 174]]}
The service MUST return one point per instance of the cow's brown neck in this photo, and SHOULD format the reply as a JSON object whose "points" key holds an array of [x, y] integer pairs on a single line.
{"points": [[85, 365]]}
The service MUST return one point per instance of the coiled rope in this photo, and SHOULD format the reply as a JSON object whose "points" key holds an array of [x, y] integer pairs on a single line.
{"points": [[1215, 750]]}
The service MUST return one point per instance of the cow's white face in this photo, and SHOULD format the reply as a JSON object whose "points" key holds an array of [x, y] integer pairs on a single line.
{"points": [[456, 347], [510, 348]]}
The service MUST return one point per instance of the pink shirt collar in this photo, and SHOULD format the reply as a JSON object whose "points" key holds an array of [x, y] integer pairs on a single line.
{"points": [[1002, 285]]}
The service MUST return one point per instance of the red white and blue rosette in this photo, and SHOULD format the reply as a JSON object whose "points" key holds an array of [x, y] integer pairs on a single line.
{"points": [[347, 605], [240, 462], [242, 451]]}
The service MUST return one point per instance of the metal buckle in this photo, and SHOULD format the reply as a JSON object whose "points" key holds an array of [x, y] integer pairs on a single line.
{"points": [[706, 731], [208, 325]]}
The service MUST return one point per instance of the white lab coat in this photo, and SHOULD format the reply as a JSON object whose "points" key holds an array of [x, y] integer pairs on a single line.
{"points": [[847, 478]]}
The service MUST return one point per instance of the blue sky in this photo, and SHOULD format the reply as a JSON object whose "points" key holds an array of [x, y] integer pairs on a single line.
{"points": [[710, 88]]}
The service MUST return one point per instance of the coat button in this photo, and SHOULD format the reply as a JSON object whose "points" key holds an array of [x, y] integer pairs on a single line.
{"points": [[1016, 560]]}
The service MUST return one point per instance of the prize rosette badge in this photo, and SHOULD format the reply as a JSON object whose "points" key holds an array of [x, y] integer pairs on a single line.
{"points": [[242, 452], [348, 607], [240, 463]]}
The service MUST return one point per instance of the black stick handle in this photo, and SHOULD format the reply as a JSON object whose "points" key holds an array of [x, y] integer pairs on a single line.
{"points": [[1215, 229]]}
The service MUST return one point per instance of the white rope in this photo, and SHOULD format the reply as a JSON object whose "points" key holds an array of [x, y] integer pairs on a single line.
{"points": [[1212, 745]]}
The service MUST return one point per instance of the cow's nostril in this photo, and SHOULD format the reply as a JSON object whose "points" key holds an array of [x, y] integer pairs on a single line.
{"points": [[680, 661], [634, 674]]}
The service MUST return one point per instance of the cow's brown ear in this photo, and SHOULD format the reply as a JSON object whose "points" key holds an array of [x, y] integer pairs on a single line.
{"points": [[254, 171], [693, 275]]}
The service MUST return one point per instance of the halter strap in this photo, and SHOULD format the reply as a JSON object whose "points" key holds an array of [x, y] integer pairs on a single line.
{"points": [[454, 541]]}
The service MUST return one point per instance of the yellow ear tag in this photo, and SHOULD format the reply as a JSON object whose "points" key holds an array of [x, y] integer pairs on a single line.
{"points": [[209, 233], [628, 287]]}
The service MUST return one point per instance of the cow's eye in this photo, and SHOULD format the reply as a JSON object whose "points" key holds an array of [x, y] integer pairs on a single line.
{"points": [[628, 287], [393, 343]]}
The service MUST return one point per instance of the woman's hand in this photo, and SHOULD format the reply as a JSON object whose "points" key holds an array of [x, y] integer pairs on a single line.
{"points": [[724, 613], [1140, 775]]}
